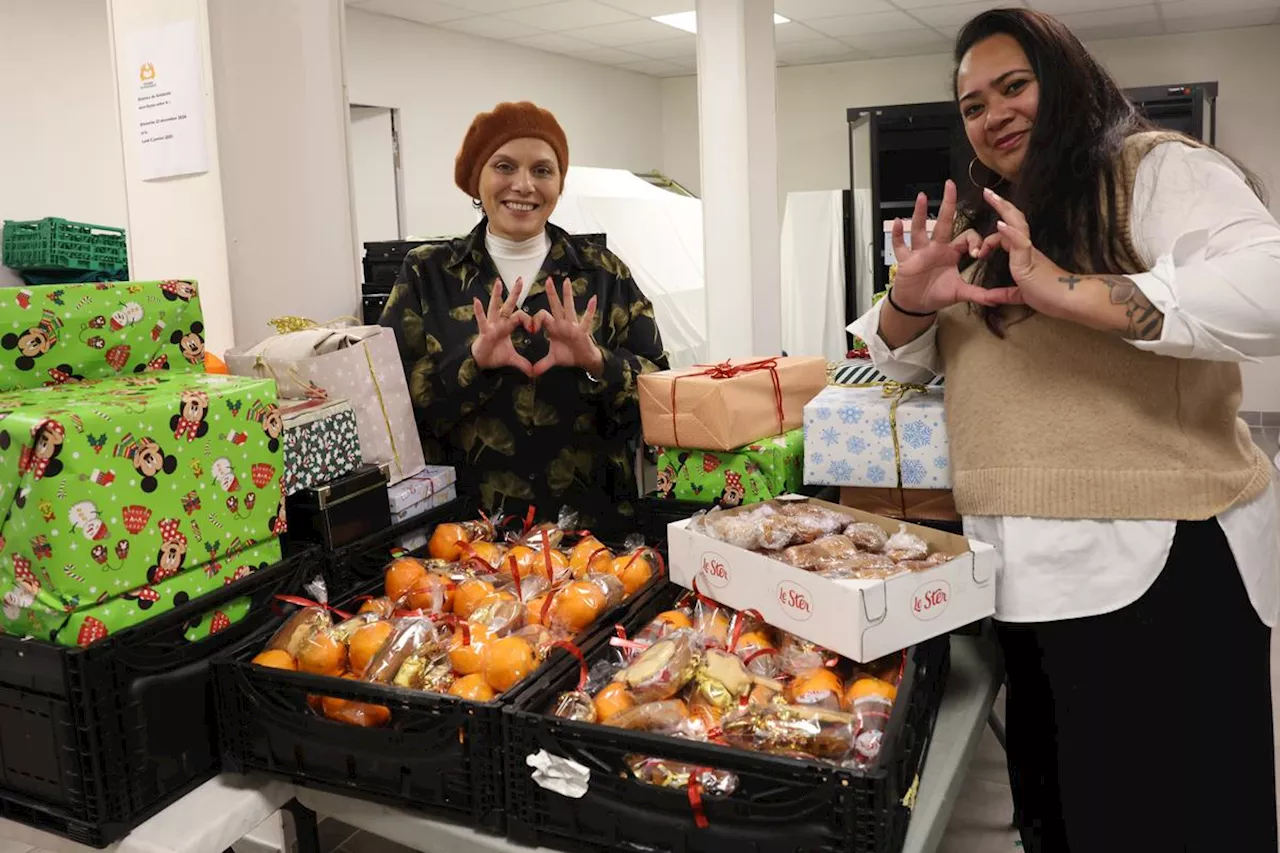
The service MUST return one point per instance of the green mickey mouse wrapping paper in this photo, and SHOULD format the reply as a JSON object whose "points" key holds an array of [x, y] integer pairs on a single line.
{"points": [[123, 498]]}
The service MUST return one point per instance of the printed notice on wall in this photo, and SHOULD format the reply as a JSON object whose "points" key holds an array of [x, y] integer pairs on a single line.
{"points": [[168, 114]]}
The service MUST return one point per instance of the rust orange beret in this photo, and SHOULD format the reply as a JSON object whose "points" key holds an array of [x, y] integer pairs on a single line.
{"points": [[492, 130]]}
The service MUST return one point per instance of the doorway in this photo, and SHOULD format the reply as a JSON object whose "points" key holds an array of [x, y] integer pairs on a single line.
{"points": [[375, 168]]}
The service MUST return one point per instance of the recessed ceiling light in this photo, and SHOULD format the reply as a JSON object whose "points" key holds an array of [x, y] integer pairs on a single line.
{"points": [[688, 21]]}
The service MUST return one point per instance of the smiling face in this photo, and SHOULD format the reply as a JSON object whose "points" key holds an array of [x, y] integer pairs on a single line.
{"points": [[999, 98], [519, 188]]}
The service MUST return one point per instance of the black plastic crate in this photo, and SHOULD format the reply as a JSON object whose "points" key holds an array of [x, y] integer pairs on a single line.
{"points": [[94, 741], [439, 755], [782, 805]]}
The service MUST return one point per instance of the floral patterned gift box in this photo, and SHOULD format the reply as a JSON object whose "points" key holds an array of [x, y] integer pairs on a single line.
{"points": [[321, 443], [890, 438]]}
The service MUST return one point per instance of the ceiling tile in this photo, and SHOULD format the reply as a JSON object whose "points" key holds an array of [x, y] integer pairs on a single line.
{"points": [[628, 32], [1201, 9], [553, 43], [567, 15], [802, 10], [490, 27], [1066, 7], [667, 48], [949, 19], [651, 8], [908, 43], [492, 7], [1215, 21], [794, 31], [607, 56], [828, 50], [1126, 22], [652, 66], [422, 11], [935, 4], [847, 25]]}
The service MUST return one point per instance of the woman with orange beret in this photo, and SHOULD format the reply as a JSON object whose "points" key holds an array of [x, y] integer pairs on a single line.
{"points": [[521, 343]]}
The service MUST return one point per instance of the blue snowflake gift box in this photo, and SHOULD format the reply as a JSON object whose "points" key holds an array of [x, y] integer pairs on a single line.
{"points": [[850, 438]]}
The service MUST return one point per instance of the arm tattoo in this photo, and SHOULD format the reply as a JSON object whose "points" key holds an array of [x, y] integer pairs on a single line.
{"points": [[1146, 322]]}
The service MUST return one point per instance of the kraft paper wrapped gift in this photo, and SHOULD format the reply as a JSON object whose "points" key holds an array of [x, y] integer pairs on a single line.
{"points": [[54, 334], [414, 495], [321, 443], [358, 363], [122, 498], [727, 406], [886, 445], [760, 471]]}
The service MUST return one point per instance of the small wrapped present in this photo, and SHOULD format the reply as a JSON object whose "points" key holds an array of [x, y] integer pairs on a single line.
{"points": [[128, 496], [889, 438], [728, 405], [361, 364], [440, 498], [419, 493], [321, 443], [758, 472], [60, 333]]}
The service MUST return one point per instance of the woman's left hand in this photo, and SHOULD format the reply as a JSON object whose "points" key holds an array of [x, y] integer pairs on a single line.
{"points": [[1042, 284], [568, 335]]}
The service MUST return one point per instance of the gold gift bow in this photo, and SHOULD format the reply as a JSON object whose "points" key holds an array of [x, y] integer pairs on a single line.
{"points": [[289, 323], [898, 391]]}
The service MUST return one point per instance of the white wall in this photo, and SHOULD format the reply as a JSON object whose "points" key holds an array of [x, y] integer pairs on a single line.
{"points": [[373, 174], [441, 79], [60, 145], [813, 142]]}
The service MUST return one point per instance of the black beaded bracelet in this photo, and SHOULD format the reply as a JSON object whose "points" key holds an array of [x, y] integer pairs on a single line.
{"points": [[896, 307]]}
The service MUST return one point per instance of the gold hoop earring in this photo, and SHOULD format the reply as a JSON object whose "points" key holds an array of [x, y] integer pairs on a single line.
{"points": [[974, 180]]}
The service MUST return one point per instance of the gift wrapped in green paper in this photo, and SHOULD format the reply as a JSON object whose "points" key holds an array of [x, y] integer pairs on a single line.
{"points": [[123, 498], [760, 471]]}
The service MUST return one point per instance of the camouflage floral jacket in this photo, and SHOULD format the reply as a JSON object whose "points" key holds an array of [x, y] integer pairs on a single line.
{"points": [[563, 439]]}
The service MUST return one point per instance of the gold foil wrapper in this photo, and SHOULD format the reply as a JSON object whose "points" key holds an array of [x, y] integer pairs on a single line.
{"points": [[672, 774], [781, 729], [576, 706]]}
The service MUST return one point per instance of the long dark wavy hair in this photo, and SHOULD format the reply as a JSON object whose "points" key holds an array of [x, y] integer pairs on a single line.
{"points": [[1070, 165]]}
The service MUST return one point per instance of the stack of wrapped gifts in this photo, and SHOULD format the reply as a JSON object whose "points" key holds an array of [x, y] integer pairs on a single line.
{"points": [[729, 434], [882, 442], [130, 481]]}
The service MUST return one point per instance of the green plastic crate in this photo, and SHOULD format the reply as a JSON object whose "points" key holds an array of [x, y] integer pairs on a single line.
{"points": [[59, 244]]}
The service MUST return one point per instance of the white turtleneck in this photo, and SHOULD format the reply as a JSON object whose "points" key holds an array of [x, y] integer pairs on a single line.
{"points": [[518, 260]]}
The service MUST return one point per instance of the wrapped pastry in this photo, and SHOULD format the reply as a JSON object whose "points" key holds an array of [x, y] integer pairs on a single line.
{"points": [[672, 774], [867, 536], [722, 679], [420, 673], [664, 717], [664, 669], [783, 729], [412, 635], [860, 566], [298, 629], [932, 561], [740, 529], [574, 705], [905, 545], [820, 554], [796, 656], [817, 688], [499, 612]]}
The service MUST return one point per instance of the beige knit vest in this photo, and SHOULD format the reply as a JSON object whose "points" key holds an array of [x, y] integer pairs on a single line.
{"points": [[1057, 420]]}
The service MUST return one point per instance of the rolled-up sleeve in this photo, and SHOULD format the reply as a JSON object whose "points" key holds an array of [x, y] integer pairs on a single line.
{"points": [[1214, 250], [915, 361]]}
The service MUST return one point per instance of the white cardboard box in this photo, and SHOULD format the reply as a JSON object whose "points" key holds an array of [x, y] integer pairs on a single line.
{"points": [[860, 619]]}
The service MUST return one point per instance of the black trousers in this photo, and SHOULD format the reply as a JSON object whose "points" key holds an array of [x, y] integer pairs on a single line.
{"points": [[1147, 729]]}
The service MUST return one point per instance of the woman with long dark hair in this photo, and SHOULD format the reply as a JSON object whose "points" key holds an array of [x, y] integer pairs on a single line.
{"points": [[1090, 304]]}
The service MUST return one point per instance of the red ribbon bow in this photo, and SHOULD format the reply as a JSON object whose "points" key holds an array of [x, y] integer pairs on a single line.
{"points": [[729, 370]]}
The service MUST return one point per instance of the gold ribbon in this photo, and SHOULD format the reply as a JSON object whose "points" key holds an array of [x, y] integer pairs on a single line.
{"points": [[382, 404], [289, 323], [898, 391]]}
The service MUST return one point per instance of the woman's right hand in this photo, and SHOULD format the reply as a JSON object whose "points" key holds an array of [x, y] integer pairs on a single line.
{"points": [[928, 277], [493, 347]]}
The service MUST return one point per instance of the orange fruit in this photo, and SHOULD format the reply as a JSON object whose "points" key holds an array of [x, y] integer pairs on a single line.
{"points": [[473, 687], [352, 713], [468, 658], [589, 556], [431, 593], [277, 659], [507, 662], [527, 560], [817, 686], [634, 570], [676, 619], [365, 643], [613, 699], [383, 607], [468, 594], [323, 654], [447, 541], [714, 627], [577, 606], [213, 364], [490, 552], [533, 610], [402, 576], [865, 687], [752, 641]]}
